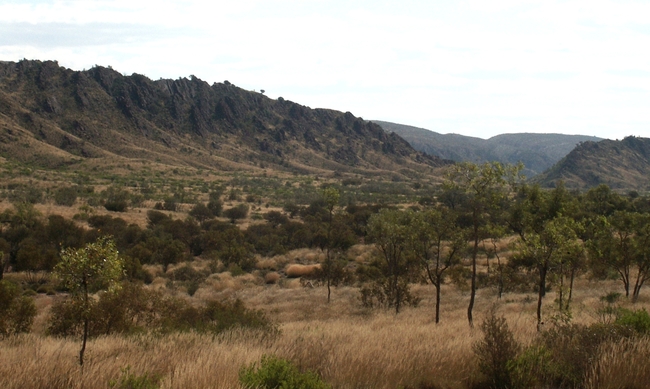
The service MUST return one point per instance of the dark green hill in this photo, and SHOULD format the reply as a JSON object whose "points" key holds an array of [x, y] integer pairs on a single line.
{"points": [[52, 116], [621, 164], [537, 152]]}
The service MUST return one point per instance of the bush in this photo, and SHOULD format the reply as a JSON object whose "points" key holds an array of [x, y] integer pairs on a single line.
{"points": [[235, 213], [278, 373], [639, 320], [133, 309], [497, 349], [129, 380], [66, 196], [17, 312]]}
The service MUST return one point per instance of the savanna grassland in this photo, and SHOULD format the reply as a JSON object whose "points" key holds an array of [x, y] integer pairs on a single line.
{"points": [[348, 345], [221, 271]]}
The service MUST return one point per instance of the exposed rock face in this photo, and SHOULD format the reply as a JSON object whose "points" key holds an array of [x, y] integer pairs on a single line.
{"points": [[192, 120]]}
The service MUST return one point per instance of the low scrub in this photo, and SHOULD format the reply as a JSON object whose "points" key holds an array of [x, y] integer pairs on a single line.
{"points": [[278, 373]]}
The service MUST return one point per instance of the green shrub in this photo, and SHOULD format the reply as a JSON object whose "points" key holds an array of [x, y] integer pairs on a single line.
{"points": [[66, 196], [128, 380], [531, 368], [638, 320], [496, 350], [17, 312], [278, 373]]}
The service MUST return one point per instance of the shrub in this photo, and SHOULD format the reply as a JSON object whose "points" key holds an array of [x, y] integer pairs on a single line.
{"points": [[66, 196], [17, 312], [235, 213], [639, 320], [532, 368], [278, 373], [497, 349], [128, 380], [573, 349]]}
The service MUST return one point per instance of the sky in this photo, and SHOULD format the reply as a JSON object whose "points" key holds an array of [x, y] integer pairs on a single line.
{"points": [[476, 68]]}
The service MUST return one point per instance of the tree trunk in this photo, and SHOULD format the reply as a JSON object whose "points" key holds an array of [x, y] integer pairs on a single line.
{"points": [[540, 295], [473, 284], [83, 344], [438, 300], [573, 276]]}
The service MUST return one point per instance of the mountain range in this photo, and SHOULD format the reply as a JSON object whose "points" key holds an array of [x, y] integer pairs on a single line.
{"points": [[56, 118], [52, 116], [538, 152]]}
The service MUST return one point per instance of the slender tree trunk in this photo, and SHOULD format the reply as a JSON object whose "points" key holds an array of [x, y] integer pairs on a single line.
{"points": [[473, 283], [86, 320], [329, 291], [561, 292], [640, 279], [398, 296], [83, 344], [573, 276], [540, 295], [438, 282]]}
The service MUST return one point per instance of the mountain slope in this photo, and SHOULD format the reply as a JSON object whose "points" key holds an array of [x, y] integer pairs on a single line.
{"points": [[621, 164], [53, 116], [538, 152]]}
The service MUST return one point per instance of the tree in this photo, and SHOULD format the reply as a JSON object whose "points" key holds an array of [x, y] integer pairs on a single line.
{"points": [[478, 192], [545, 251], [390, 232], [201, 212], [83, 271], [620, 243], [437, 243], [238, 212], [331, 196]]}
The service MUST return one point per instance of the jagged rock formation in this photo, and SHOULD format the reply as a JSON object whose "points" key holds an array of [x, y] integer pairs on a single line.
{"points": [[55, 116]]}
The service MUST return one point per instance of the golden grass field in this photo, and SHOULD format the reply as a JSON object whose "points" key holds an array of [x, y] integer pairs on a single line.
{"points": [[348, 345]]}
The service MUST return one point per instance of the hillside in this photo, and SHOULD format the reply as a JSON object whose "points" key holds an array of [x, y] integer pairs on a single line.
{"points": [[621, 164], [55, 117], [538, 152]]}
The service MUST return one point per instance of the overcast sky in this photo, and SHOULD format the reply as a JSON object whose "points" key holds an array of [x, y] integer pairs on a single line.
{"points": [[478, 68]]}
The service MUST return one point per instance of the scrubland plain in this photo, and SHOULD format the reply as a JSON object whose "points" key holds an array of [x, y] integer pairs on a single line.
{"points": [[347, 345]]}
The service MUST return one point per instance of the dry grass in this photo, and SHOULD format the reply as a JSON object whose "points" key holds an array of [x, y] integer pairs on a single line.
{"points": [[350, 346], [297, 270]]}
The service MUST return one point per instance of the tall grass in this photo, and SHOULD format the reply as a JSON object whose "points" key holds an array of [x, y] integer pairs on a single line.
{"points": [[349, 346]]}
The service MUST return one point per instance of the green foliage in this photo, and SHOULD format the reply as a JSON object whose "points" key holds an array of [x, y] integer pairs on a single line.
{"points": [[94, 267], [638, 320], [116, 199], [390, 231], [567, 351], [496, 351], [66, 195], [532, 368], [133, 309], [277, 373], [17, 312], [235, 213], [129, 380]]}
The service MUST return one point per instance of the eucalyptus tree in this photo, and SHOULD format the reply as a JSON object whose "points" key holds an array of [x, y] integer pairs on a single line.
{"points": [[96, 266], [480, 193], [620, 243], [546, 250], [437, 243], [390, 231]]}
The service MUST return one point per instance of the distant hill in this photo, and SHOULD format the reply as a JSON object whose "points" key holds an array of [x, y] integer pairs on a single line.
{"points": [[537, 152], [621, 164], [56, 117]]}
